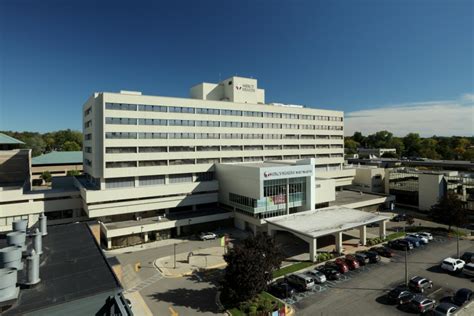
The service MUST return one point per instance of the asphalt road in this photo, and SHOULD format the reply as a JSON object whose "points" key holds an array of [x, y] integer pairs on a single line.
{"points": [[363, 293]]}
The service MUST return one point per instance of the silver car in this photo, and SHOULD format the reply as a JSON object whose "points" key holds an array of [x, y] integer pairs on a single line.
{"points": [[317, 276]]}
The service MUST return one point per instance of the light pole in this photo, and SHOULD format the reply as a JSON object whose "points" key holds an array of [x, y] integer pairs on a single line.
{"points": [[174, 256], [406, 256], [457, 242], [141, 235]]}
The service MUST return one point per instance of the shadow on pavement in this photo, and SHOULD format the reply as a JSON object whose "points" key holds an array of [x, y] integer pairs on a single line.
{"points": [[384, 300], [202, 300]]}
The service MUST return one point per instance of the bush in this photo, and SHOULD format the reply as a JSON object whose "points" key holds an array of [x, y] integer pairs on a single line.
{"points": [[71, 173], [46, 176], [325, 256]]}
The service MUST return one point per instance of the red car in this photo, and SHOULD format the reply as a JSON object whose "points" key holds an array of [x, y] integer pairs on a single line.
{"points": [[342, 265], [352, 262]]}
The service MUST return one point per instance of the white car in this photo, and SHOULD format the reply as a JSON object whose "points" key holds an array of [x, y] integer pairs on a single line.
{"points": [[207, 236], [452, 265], [468, 269], [429, 236], [421, 238]]}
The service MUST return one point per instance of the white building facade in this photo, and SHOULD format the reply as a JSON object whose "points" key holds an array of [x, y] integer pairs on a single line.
{"points": [[149, 156]]}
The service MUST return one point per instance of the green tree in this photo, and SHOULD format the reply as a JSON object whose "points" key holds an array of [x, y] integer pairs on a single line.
{"points": [[428, 148], [397, 143], [379, 140], [46, 176], [250, 267], [449, 211], [72, 173], [71, 146], [358, 137], [412, 144], [351, 146]]}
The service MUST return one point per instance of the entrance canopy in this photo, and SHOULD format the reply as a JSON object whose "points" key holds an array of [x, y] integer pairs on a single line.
{"points": [[326, 221]]}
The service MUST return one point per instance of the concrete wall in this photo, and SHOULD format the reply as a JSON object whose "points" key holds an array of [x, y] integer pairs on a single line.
{"points": [[369, 179], [325, 191], [431, 189]]}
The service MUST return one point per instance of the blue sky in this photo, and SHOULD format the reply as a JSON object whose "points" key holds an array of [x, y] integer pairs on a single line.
{"points": [[367, 58]]}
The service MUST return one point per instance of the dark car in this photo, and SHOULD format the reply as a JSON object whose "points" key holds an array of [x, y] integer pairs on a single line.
{"points": [[462, 296], [400, 295], [362, 258], [468, 257], [383, 251], [352, 262], [422, 304], [281, 289], [400, 244], [371, 255], [399, 218], [339, 265], [445, 309], [420, 284], [414, 241], [330, 273]]}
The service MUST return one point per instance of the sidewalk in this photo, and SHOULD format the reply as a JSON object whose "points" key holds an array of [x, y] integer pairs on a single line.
{"points": [[150, 245], [139, 307], [208, 258]]}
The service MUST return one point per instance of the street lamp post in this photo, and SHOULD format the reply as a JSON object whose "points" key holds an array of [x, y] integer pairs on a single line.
{"points": [[406, 257], [141, 235], [174, 256]]}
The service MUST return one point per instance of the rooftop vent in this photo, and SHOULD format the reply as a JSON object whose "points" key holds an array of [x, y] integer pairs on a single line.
{"points": [[17, 239], [8, 280], [43, 224], [10, 257], [37, 241], [20, 225], [32, 268]]}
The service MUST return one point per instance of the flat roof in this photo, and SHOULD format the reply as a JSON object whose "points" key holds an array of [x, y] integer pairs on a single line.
{"points": [[321, 222], [58, 158], [5, 139], [348, 197], [75, 275]]}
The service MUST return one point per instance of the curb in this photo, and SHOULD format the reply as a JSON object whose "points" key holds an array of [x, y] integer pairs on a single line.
{"points": [[171, 276]]}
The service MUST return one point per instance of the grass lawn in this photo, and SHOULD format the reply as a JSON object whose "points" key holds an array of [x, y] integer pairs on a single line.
{"points": [[395, 235], [260, 298], [291, 268]]}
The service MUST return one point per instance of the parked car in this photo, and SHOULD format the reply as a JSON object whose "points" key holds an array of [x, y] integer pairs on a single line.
{"points": [[352, 262], [300, 281], [445, 309], [207, 236], [383, 251], [281, 289], [330, 273], [372, 255], [415, 241], [462, 296], [317, 276], [468, 257], [468, 269], [452, 265], [339, 265], [427, 235], [400, 244], [422, 304], [399, 218], [421, 239], [400, 295], [420, 284], [362, 258]]}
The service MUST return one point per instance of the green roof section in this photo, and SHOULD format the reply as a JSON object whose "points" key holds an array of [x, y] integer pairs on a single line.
{"points": [[5, 139], [58, 158]]}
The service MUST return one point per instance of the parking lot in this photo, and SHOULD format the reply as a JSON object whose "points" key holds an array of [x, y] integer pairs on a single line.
{"points": [[362, 292]]}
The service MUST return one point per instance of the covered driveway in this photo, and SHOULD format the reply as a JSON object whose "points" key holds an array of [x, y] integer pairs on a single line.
{"points": [[310, 225]]}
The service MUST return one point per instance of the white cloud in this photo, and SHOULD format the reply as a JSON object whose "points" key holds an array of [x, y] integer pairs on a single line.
{"points": [[441, 118]]}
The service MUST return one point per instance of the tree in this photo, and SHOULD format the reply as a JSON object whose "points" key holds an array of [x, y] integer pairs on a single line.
{"points": [[72, 173], [428, 148], [46, 176], [250, 267], [412, 144], [358, 137], [71, 146], [379, 140], [449, 211], [351, 146]]}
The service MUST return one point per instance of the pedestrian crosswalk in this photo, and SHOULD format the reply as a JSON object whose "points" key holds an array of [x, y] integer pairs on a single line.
{"points": [[145, 283]]}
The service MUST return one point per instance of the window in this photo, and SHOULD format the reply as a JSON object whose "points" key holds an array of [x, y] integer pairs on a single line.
{"points": [[253, 113], [180, 178], [88, 124], [120, 150], [88, 136], [232, 159], [152, 163], [207, 160], [117, 135], [181, 162], [152, 108], [231, 124], [180, 123], [87, 162], [121, 120], [178, 109], [207, 111], [88, 111], [231, 136], [121, 106], [181, 135], [252, 125], [207, 123], [120, 164], [152, 149], [204, 176], [88, 149], [180, 148], [152, 135], [208, 148], [151, 180], [152, 122], [231, 148], [119, 183], [231, 112]]}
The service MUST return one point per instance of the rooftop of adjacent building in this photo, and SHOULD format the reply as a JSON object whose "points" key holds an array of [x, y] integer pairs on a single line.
{"points": [[75, 276], [8, 140], [58, 158]]}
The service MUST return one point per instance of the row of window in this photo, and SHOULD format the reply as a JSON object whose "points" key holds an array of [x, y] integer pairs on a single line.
{"points": [[192, 110], [161, 122], [132, 135], [176, 162], [129, 182]]}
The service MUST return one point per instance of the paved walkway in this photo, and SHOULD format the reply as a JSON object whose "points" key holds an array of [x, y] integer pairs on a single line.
{"points": [[139, 307], [188, 262], [150, 245]]}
